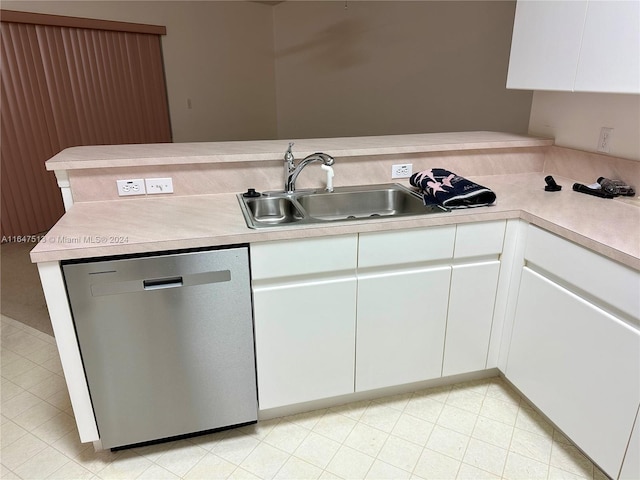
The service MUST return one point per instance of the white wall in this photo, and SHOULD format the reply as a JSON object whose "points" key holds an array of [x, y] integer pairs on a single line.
{"points": [[575, 119], [218, 54], [395, 67]]}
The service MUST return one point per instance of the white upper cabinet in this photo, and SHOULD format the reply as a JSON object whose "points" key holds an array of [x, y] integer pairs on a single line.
{"points": [[546, 44], [610, 54], [581, 45]]}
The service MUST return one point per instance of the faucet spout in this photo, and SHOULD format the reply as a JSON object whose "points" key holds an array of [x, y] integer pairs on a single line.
{"points": [[293, 171]]}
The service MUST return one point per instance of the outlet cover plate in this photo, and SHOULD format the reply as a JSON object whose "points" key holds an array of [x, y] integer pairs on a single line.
{"points": [[131, 187], [402, 170]]}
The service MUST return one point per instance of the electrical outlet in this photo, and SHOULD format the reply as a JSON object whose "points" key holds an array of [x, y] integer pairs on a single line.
{"points": [[131, 187], [604, 142], [159, 185], [403, 170]]}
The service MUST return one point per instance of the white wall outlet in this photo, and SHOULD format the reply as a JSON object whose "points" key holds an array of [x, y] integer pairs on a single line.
{"points": [[159, 185], [403, 170], [131, 187], [604, 142]]}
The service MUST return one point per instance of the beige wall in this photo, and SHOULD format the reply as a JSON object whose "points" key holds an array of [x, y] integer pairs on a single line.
{"points": [[395, 67], [218, 54], [575, 120], [374, 68]]}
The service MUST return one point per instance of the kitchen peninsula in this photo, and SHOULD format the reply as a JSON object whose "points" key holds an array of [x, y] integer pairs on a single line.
{"points": [[537, 236]]}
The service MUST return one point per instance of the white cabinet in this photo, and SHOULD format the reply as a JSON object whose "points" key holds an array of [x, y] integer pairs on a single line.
{"points": [[472, 296], [631, 465], [574, 351], [576, 45], [304, 295], [403, 293], [546, 44]]}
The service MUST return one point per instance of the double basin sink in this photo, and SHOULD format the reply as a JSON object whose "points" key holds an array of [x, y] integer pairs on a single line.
{"points": [[302, 207]]}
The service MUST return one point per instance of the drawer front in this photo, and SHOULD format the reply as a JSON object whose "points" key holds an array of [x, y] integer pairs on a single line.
{"points": [[604, 279], [290, 258], [479, 239], [378, 249]]}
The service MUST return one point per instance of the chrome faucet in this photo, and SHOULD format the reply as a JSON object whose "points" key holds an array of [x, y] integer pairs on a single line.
{"points": [[291, 171]]}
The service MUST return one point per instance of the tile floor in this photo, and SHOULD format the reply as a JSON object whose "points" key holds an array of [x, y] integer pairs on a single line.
{"points": [[473, 430]]}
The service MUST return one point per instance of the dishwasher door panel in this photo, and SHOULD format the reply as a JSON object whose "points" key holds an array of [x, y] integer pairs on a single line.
{"points": [[166, 342]]}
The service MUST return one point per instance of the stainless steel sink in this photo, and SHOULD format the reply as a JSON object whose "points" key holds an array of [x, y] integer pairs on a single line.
{"points": [[344, 203]]}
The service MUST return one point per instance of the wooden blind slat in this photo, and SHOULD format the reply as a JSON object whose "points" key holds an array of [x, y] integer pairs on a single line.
{"points": [[64, 87], [14, 16]]}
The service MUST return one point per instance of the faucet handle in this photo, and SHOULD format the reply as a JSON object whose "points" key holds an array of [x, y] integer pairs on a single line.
{"points": [[288, 155]]}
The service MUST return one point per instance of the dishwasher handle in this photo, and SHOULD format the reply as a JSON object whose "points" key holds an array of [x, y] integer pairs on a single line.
{"points": [[158, 283]]}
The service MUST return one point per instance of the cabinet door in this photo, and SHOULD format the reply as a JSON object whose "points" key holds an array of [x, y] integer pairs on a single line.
{"points": [[401, 325], [471, 302], [305, 340], [546, 44], [610, 54], [579, 365]]}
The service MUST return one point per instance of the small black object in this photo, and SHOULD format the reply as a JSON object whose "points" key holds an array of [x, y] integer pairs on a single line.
{"points": [[552, 186], [616, 187], [251, 193], [578, 187]]}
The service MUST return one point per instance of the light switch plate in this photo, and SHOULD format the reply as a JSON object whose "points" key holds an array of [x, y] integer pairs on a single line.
{"points": [[159, 185]]}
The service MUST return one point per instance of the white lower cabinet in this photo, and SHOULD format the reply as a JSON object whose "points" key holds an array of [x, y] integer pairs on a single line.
{"points": [[401, 325], [304, 301], [579, 365], [305, 340], [471, 302]]}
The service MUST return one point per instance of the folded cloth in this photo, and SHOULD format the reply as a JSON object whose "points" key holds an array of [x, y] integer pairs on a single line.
{"points": [[442, 187]]}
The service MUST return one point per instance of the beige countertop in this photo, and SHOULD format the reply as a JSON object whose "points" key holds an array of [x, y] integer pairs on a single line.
{"points": [[97, 229], [111, 156]]}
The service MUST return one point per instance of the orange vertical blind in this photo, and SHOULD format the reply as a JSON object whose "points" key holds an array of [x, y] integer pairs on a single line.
{"points": [[66, 86]]}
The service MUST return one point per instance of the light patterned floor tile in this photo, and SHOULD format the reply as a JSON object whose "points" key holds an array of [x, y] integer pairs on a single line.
{"points": [[485, 456], [468, 472], [265, 461], [499, 410], [235, 447], [493, 432], [349, 463], [468, 400], [570, 459], [9, 390], [42, 464], [261, 429], [295, 469], [435, 465], [413, 429], [71, 470], [307, 419], [381, 417], [499, 390], [242, 474], [524, 468], [556, 473], [366, 439], [127, 465], [40, 413], [19, 404], [211, 467], [352, 410], [286, 436], [400, 453], [317, 450], [532, 445], [55, 428], [18, 452], [448, 442], [399, 402], [181, 457], [383, 471], [530, 420], [335, 426], [424, 407], [156, 472], [10, 433], [456, 419]]}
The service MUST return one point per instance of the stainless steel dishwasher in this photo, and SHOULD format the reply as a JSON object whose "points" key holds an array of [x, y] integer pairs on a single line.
{"points": [[166, 342]]}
